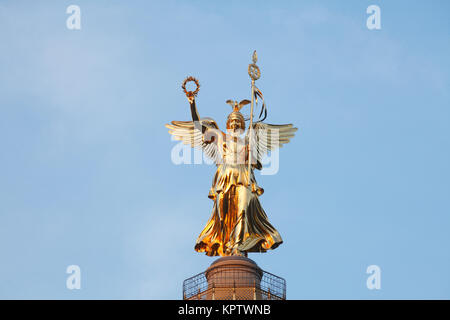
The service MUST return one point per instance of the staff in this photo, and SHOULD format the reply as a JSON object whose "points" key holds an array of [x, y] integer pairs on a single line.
{"points": [[254, 73]]}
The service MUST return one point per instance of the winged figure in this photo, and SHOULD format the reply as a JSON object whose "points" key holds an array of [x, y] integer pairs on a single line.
{"points": [[238, 223]]}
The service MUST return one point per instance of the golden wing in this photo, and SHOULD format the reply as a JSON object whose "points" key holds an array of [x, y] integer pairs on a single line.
{"points": [[266, 137], [186, 132]]}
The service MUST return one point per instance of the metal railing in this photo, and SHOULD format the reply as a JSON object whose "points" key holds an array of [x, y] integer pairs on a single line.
{"points": [[270, 287]]}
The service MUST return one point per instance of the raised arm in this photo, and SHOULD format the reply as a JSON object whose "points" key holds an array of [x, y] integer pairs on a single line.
{"points": [[210, 134], [200, 132], [195, 117]]}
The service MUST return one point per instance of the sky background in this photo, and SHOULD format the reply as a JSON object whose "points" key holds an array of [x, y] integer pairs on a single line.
{"points": [[86, 176]]}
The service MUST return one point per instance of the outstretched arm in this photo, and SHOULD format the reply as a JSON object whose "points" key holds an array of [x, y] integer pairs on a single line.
{"points": [[209, 134], [195, 116]]}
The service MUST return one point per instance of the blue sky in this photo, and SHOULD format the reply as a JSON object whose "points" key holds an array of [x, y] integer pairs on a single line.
{"points": [[85, 171]]}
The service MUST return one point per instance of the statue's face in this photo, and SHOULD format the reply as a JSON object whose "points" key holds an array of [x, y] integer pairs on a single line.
{"points": [[234, 127]]}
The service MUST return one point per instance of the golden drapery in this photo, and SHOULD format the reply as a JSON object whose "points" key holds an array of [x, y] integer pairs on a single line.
{"points": [[238, 223]]}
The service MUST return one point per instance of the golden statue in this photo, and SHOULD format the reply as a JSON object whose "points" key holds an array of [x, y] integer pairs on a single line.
{"points": [[238, 223]]}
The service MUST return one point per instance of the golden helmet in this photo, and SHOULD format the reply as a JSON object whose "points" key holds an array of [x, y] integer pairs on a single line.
{"points": [[236, 115]]}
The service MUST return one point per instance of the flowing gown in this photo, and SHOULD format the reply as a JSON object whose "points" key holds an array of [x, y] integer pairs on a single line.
{"points": [[238, 223]]}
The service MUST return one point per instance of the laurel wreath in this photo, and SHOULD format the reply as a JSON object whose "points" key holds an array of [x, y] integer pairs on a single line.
{"points": [[189, 93]]}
